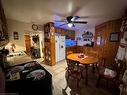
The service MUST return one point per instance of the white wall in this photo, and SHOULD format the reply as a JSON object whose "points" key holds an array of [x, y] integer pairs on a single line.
{"points": [[22, 28], [79, 34]]}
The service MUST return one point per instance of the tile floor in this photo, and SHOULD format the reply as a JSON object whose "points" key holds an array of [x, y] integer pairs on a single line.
{"points": [[59, 81]]}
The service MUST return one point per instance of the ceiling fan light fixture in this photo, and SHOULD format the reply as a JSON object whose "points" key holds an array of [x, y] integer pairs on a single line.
{"points": [[70, 25]]}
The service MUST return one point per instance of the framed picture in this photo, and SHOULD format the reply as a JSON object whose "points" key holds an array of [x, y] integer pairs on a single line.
{"points": [[114, 37], [15, 35]]}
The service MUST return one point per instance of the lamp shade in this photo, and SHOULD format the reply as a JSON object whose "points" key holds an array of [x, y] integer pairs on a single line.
{"points": [[70, 24]]}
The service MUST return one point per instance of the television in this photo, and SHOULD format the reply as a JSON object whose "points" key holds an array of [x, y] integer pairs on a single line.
{"points": [[70, 42]]}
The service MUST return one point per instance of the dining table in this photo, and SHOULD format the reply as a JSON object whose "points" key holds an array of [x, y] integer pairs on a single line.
{"points": [[84, 59]]}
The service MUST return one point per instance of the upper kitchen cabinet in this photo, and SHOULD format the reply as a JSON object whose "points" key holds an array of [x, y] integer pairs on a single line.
{"points": [[3, 27], [69, 34]]}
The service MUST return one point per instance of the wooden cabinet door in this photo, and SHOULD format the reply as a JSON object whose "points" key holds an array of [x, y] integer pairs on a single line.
{"points": [[27, 43]]}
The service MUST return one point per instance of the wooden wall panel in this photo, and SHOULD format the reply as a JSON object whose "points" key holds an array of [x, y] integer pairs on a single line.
{"points": [[107, 49], [100, 31]]}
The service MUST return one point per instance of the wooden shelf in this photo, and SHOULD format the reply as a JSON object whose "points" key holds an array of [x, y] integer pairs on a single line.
{"points": [[49, 44]]}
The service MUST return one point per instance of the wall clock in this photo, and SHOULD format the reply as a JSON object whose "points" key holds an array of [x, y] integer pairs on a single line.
{"points": [[35, 27]]}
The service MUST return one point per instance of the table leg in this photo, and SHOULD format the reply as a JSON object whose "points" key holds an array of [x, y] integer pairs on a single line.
{"points": [[86, 82], [93, 68]]}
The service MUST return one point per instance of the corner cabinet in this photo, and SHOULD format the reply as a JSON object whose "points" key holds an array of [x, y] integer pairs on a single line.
{"points": [[49, 44], [103, 44], [3, 27]]}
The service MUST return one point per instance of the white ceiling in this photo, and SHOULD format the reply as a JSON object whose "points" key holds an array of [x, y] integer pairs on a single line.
{"points": [[42, 11]]}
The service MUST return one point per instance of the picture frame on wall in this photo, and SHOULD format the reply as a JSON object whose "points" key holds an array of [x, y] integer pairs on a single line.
{"points": [[114, 37], [15, 35], [99, 39]]}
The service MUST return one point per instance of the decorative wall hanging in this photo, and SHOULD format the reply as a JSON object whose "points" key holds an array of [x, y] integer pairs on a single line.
{"points": [[87, 36], [78, 38], [35, 27], [15, 35]]}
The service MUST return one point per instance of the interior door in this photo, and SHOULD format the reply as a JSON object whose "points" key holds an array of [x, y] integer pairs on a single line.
{"points": [[27, 43]]}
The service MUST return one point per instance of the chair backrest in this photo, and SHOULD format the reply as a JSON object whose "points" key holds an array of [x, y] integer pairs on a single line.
{"points": [[92, 52], [101, 62], [121, 67], [72, 65], [69, 52]]}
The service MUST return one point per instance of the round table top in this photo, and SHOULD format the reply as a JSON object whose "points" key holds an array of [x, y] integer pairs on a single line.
{"points": [[87, 59]]}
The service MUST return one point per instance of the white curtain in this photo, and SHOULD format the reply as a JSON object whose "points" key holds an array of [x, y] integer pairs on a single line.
{"points": [[126, 55], [121, 53]]}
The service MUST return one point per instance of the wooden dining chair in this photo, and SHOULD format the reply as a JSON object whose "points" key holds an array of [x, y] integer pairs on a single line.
{"points": [[73, 70], [117, 68], [100, 64], [95, 54]]}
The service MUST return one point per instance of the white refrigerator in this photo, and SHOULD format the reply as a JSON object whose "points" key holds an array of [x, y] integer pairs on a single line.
{"points": [[59, 48]]}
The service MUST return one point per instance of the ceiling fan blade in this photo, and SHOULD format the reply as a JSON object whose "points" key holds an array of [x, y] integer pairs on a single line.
{"points": [[81, 22], [63, 24], [60, 21], [83, 16]]}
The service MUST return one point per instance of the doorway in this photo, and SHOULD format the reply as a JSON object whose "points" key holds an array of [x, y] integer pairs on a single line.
{"points": [[27, 43], [36, 46]]}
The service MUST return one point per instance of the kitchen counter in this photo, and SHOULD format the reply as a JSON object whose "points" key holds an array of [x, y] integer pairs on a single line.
{"points": [[18, 58]]}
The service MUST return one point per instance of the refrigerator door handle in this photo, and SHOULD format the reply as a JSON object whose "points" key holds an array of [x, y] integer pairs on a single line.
{"points": [[61, 46]]}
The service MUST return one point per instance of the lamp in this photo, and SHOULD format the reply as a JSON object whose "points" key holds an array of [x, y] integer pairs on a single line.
{"points": [[70, 25]]}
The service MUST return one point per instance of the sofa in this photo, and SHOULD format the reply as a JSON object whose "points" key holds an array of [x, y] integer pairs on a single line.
{"points": [[22, 84]]}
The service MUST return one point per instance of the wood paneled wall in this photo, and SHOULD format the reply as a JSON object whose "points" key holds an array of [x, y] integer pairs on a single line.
{"points": [[78, 49], [107, 49], [83, 49]]}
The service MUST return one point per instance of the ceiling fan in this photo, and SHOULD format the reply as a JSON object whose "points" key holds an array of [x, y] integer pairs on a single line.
{"points": [[72, 20]]}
